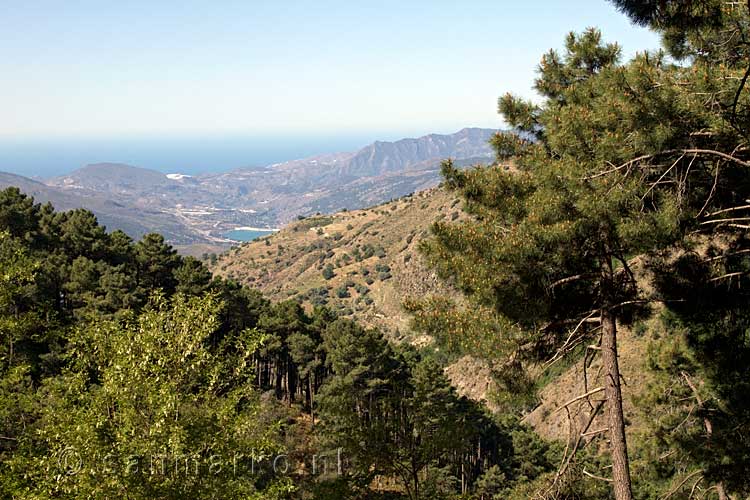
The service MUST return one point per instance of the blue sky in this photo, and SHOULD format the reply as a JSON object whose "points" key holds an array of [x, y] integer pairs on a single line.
{"points": [[214, 68]]}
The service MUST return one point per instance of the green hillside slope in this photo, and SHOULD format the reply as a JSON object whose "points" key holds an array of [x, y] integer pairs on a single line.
{"points": [[370, 254]]}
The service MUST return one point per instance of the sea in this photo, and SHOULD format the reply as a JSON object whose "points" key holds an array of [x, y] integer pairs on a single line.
{"points": [[44, 158]]}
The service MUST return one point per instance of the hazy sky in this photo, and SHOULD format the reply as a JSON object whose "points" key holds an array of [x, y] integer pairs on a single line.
{"points": [[168, 68]]}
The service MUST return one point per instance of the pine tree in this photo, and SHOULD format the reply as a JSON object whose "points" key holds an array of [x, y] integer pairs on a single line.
{"points": [[156, 262], [19, 215], [193, 278], [81, 235], [699, 403], [619, 160], [367, 382]]}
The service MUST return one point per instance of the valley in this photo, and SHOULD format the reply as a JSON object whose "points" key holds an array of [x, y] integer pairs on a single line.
{"points": [[202, 209], [558, 310]]}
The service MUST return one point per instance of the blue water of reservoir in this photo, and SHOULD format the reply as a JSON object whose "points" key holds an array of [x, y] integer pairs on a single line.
{"points": [[247, 234]]}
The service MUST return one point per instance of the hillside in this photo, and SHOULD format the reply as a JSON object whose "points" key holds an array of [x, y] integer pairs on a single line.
{"points": [[115, 178], [112, 212], [372, 254], [376, 265]]}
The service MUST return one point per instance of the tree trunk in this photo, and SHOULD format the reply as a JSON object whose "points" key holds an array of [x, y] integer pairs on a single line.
{"points": [[310, 392], [415, 478], [615, 417]]}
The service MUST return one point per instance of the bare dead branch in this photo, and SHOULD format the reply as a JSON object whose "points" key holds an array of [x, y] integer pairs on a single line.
{"points": [[681, 484], [739, 93], [695, 151], [663, 175], [569, 344], [732, 209], [725, 276], [713, 152], [600, 478], [727, 255], [568, 457], [578, 398], [711, 193], [570, 279], [692, 490], [719, 221], [594, 433]]}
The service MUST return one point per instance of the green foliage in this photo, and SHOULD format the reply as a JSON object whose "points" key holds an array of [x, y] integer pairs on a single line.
{"points": [[192, 277], [143, 397], [328, 272], [313, 222], [156, 262], [114, 352], [88, 364], [618, 160], [698, 403], [396, 415], [19, 216]]}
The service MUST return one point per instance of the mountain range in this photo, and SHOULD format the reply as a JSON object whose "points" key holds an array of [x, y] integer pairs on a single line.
{"points": [[201, 209]]}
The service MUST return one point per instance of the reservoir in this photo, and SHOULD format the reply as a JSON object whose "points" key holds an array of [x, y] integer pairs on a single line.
{"points": [[243, 234]]}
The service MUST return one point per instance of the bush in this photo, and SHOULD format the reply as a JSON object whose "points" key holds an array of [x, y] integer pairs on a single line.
{"points": [[384, 276], [382, 268], [368, 251]]}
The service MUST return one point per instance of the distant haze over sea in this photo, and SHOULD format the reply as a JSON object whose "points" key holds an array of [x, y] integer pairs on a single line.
{"points": [[44, 158]]}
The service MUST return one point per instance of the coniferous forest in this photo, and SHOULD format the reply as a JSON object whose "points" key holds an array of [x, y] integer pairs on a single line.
{"points": [[619, 201]]}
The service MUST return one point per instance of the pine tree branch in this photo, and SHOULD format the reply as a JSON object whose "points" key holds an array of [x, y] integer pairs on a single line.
{"points": [[713, 152], [739, 93], [727, 255], [710, 194], [567, 344]]}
